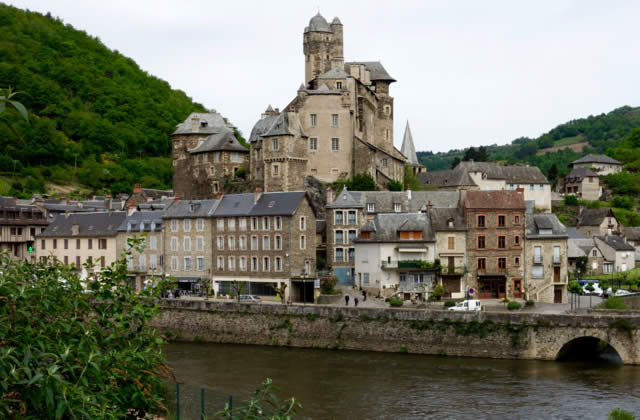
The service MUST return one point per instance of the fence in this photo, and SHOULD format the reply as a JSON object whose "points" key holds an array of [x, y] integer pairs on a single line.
{"points": [[195, 402]]}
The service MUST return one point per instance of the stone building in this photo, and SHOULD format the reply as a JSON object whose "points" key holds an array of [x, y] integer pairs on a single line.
{"points": [[340, 122], [619, 254], [583, 183], [472, 176], [632, 235], [395, 254], [265, 240], [20, 222], [586, 248], [546, 272], [353, 209], [592, 222], [187, 242], [79, 238], [495, 234], [146, 226], [205, 154], [450, 230], [409, 151], [601, 164]]}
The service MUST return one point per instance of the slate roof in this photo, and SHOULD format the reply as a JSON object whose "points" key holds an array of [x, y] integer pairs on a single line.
{"points": [[190, 209], [384, 200], [580, 173], [502, 199], [385, 227], [318, 24], [375, 68], [262, 126], [91, 225], [459, 176], [334, 73], [573, 233], [594, 217], [632, 233], [408, 148], [537, 222], [440, 218], [269, 204], [225, 140], [446, 177], [280, 127], [214, 124], [579, 247], [597, 159], [346, 200], [147, 217], [616, 242]]}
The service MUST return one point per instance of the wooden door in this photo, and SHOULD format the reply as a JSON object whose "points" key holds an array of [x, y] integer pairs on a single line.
{"points": [[557, 294], [517, 288], [556, 274]]}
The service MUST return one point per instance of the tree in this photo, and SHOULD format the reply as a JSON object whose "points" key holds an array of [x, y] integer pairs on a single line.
{"points": [[589, 288], [553, 173], [362, 182], [394, 185], [574, 287], [438, 292], [237, 288], [280, 291], [206, 285], [581, 265], [74, 349], [455, 162], [6, 98]]}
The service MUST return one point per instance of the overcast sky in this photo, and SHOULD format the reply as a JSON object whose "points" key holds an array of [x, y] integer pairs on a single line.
{"points": [[468, 72]]}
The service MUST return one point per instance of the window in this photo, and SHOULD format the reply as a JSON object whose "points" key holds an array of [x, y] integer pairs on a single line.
{"points": [[66, 260], [339, 217], [174, 225], [254, 243], [43, 244], [314, 120], [55, 244], [90, 244], [313, 144], [502, 242], [541, 187], [371, 207], [187, 264], [200, 263], [77, 261], [516, 261], [397, 207], [274, 145], [199, 243], [266, 243], [502, 264], [537, 254], [352, 254], [220, 242], [516, 219], [102, 244], [594, 253], [481, 242], [174, 244], [482, 263], [216, 187], [243, 224], [335, 145], [339, 238], [243, 242], [502, 221], [278, 223], [254, 223], [187, 225], [352, 236], [303, 223], [265, 223], [516, 240], [220, 225], [338, 85], [537, 271], [153, 262], [231, 224], [265, 264], [481, 221], [231, 240], [77, 243], [220, 263], [237, 157], [352, 220], [232, 263], [303, 242], [66, 244], [339, 255], [451, 242], [334, 120], [278, 242], [199, 225], [254, 263], [143, 262], [278, 264], [556, 254], [187, 244], [174, 263], [243, 263], [153, 242], [532, 187], [276, 170]]}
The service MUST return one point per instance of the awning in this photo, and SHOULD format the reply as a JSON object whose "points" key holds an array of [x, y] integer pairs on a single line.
{"points": [[188, 279]]}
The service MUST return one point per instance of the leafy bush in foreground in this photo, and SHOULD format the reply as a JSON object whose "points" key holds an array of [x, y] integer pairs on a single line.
{"points": [[513, 305], [395, 302]]}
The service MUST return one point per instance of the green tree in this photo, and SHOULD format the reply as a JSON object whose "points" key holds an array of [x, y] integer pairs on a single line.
{"points": [[589, 288], [394, 185], [362, 182], [6, 99], [575, 289]]}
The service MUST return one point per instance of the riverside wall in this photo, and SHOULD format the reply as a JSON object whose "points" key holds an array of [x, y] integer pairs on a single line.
{"points": [[505, 335]]}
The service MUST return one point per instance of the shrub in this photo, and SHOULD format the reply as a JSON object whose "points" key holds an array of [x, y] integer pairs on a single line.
{"points": [[328, 284], [529, 303], [449, 303], [512, 306], [438, 292], [394, 185], [395, 302], [570, 200], [623, 202], [620, 414], [615, 303]]}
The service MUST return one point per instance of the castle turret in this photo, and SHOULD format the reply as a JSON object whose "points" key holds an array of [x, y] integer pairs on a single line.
{"points": [[323, 47], [337, 53]]}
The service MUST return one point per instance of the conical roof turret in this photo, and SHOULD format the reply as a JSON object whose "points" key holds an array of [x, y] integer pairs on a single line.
{"points": [[408, 148]]}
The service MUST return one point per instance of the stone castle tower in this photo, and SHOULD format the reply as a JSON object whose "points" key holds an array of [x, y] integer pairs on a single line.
{"points": [[323, 47]]}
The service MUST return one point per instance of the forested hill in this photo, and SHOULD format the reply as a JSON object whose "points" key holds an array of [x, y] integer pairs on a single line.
{"points": [[87, 103], [600, 134]]}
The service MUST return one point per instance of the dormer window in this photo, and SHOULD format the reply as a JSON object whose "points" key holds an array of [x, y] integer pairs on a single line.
{"points": [[450, 223], [338, 85], [546, 231], [141, 226], [203, 123], [371, 207], [411, 235], [397, 207]]}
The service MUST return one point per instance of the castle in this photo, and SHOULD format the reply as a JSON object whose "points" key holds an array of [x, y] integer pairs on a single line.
{"points": [[340, 123]]}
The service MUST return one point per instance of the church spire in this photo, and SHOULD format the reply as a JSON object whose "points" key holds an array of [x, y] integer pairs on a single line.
{"points": [[408, 149]]}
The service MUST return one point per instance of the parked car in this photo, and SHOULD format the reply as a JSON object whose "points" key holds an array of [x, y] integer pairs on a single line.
{"points": [[250, 299], [467, 305], [622, 292], [597, 291]]}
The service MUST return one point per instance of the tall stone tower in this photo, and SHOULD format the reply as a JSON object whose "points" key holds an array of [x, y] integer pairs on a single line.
{"points": [[323, 47]]}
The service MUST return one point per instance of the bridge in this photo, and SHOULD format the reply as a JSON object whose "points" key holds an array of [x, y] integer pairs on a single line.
{"points": [[507, 335]]}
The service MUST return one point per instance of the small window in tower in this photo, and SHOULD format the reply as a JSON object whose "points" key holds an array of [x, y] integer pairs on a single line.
{"points": [[334, 120], [276, 170], [313, 144], [338, 85], [314, 117], [274, 145]]}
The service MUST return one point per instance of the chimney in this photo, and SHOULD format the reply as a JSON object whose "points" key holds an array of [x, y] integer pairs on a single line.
{"points": [[520, 191], [257, 195], [429, 207], [330, 195], [131, 207], [220, 195], [408, 192], [137, 188], [195, 123]]}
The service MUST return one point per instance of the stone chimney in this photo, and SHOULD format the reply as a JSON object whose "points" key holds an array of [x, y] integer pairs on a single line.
{"points": [[195, 123], [137, 189], [429, 207], [330, 195], [131, 207], [257, 194]]}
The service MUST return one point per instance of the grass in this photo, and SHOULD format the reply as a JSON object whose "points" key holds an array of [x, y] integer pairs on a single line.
{"points": [[5, 186], [569, 140]]}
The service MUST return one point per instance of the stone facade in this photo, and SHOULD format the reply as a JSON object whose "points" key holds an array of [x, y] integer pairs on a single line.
{"points": [[547, 275], [19, 225]]}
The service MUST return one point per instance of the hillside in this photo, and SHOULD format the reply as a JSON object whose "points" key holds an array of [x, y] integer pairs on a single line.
{"points": [[88, 104], [603, 134]]}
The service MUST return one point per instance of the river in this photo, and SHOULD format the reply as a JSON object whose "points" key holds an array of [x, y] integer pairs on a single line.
{"points": [[368, 385]]}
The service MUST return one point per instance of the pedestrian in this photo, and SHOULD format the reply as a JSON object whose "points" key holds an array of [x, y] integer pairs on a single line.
{"points": [[364, 295], [355, 301], [346, 300], [169, 295]]}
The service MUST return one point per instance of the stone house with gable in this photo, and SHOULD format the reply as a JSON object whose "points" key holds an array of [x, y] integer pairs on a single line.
{"points": [[265, 240], [618, 254], [600, 222], [603, 165], [586, 248], [450, 230], [20, 222], [187, 243], [495, 235], [583, 183], [546, 272]]}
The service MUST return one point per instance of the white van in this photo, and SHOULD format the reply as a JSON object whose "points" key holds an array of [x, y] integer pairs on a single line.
{"points": [[467, 305]]}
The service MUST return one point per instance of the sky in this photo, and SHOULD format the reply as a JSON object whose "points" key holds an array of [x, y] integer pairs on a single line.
{"points": [[468, 73]]}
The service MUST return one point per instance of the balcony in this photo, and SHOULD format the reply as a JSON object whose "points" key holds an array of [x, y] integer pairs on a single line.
{"points": [[557, 259], [537, 259], [408, 264], [451, 270]]}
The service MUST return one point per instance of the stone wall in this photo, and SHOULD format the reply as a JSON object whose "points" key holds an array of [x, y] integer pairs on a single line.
{"points": [[494, 335]]}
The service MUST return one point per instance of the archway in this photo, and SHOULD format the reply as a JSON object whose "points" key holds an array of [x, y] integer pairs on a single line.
{"points": [[589, 348]]}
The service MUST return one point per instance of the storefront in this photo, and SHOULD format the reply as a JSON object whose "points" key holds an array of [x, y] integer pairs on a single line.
{"points": [[492, 286]]}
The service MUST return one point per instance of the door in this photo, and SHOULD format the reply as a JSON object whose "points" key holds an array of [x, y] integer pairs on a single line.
{"points": [[556, 274], [557, 294], [517, 288], [451, 263]]}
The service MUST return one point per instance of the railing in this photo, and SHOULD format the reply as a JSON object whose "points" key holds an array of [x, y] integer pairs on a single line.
{"points": [[407, 264], [557, 259], [411, 287], [537, 259], [452, 270], [502, 269]]}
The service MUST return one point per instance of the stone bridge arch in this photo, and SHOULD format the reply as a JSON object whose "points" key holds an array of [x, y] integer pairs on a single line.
{"points": [[549, 343]]}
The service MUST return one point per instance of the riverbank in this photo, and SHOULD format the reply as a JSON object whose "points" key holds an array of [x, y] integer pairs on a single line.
{"points": [[505, 335]]}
